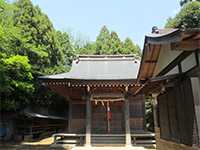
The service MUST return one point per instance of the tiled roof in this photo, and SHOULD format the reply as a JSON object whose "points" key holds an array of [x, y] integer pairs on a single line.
{"points": [[94, 67]]}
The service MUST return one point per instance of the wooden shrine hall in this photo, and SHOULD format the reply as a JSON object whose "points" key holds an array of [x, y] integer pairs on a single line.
{"points": [[170, 73], [101, 101]]}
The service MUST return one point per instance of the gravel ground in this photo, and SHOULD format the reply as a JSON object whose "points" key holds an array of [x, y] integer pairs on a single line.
{"points": [[46, 144]]}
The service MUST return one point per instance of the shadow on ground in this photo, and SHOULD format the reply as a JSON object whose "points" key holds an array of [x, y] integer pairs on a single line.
{"points": [[46, 144], [30, 147], [42, 144]]}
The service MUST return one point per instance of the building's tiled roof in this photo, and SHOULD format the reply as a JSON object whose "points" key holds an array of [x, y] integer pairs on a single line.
{"points": [[104, 67]]}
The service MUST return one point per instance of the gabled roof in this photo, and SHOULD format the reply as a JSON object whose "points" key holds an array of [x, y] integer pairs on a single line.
{"points": [[101, 67], [156, 40]]}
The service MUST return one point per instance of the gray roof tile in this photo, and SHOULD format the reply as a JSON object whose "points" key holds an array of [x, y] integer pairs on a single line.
{"points": [[101, 68]]}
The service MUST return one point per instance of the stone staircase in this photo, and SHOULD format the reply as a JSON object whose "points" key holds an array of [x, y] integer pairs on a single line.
{"points": [[145, 139], [138, 139], [119, 139], [111, 139]]}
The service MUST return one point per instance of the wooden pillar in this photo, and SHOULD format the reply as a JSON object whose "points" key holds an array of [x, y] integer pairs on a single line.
{"points": [[127, 122], [69, 115], [88, 121], [155, 103], [195, 82]]}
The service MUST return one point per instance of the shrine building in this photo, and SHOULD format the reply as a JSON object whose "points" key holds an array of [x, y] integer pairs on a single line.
{"points": [[102, 105]]}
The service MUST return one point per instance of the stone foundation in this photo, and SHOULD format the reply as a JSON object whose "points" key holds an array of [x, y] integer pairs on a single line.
{"points": [[168, 145]]}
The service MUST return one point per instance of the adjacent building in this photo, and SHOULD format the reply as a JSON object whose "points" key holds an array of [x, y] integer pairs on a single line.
{"points": [[170, 72]]}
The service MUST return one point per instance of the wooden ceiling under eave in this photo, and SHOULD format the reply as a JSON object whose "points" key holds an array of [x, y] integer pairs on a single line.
{"points": [[158, 84], [149, 60], [77, 89], [190, 41]]}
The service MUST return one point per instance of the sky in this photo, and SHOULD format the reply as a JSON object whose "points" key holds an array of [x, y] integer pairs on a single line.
{"points": [[129, 18]]}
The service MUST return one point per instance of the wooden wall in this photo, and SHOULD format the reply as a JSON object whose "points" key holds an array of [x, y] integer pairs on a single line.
{"points": [[177, 115], [99, 118], [78, 118], [137, 112]]}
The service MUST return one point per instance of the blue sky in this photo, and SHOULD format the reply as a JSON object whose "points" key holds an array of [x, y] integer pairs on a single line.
{"points": [[129, 18]]}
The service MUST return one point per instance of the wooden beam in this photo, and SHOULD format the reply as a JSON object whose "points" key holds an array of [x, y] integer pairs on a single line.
{"points": [[197, 37], [150, 61], [190, 45], [106, 95]]}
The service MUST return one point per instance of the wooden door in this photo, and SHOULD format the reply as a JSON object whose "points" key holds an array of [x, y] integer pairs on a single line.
{"points": [[100, 121]]}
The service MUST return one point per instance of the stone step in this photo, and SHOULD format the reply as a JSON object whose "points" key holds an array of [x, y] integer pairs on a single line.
{"points": [[108, 139], [67, 142], [145, 141], [111, 138]]}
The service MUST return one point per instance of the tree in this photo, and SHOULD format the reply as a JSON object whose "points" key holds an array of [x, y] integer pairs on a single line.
{"points": [[109, 43], [188, 17], [130, 48], [29, 47], [39, 35], [65, 47], [115, 43], [149, 120], [183, 2], [88, 49], [16, 82], [103, 41]]}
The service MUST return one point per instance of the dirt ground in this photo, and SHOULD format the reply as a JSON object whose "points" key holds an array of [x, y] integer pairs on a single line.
{"points": [[46, 144]]}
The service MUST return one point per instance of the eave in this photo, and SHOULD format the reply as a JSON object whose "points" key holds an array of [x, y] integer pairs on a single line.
{"points": [[179, 40]]}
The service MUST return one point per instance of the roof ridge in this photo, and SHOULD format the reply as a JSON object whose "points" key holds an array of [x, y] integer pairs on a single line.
{"points": [[105, 56]]}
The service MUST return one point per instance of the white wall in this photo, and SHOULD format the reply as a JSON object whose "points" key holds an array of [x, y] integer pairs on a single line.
{"points": [[165, 58]]}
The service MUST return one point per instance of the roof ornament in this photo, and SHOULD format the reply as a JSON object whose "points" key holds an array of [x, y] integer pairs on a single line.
{"points": [[155, 30]]}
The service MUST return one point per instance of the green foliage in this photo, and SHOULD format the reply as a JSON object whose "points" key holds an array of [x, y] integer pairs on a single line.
{"points": [[130, 48], [15, 79], [38, 33], [149, 114], [29, 46], [19, 72], [115, 43], [183, 2], [103, 41], [108, 43], [188, 17], [65, 47], [88, 49]]}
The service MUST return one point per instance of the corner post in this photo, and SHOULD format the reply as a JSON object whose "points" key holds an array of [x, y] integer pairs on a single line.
{"points": [[195, 83], [88, 118], [127, 119], [155, 103], [155, 114], [69, 115]]}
